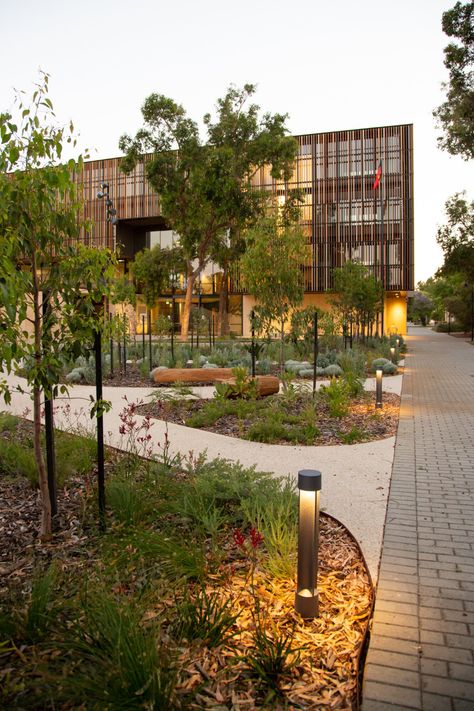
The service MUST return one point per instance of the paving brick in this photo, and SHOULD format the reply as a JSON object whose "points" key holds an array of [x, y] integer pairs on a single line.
{"points": [[448, 687], [434, 667], [434, 702], [461, 671], [394, 675], [394, 659], [400, 695]]}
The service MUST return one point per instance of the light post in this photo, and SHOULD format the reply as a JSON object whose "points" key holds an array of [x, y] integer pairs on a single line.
{"points": [[378, 387], [392, 354], [306, 598]]}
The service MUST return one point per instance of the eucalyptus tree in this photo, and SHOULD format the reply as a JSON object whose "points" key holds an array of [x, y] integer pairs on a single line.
{"points": [[206, 187], [40, 259], [271, 268], [456, 115]]}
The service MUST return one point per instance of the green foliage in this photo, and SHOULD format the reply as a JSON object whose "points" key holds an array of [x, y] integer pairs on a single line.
{"points": [[40, 614], [8, 422], [336, 396], [378, 363], [268, 430], [271, 270], [456, 238], [272, 654], [456, 115], [420, 308], [206, 617], [353, 367], [129, 502], [18, 460], [121, 663], [354, 435], [358, 295], [389, 369], [39, 221], [245, 387], [272, 510], [152, 269], [205, 188]]}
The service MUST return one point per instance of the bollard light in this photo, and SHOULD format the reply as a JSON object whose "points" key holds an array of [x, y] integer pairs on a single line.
{"points": [[397, 343], [392, 354], [378, 387], [306, 599]]}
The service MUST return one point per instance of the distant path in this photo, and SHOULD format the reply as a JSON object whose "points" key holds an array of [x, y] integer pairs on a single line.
{"points": [[422, 642]]}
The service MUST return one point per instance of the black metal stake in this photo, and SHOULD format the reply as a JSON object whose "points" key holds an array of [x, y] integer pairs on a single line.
{"points": [[100, 430], [149, 340], [111, 347], [143, 336], [210, 330], [252, 317], [49, 432], [124, 344], [315, 351]]}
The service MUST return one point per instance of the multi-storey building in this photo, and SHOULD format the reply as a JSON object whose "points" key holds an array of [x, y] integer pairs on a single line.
{"points": [[343, 215]]}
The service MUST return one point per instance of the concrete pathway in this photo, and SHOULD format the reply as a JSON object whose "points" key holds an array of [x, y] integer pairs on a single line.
{"points": [[356, 478], [422, 641]]}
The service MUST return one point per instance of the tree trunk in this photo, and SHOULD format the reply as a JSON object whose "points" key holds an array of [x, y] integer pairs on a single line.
{"points": [[223, 322], [187, 305], [46, 524]]}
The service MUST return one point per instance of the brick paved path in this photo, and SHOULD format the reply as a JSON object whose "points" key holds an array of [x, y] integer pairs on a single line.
{"points": [[422, 642]]}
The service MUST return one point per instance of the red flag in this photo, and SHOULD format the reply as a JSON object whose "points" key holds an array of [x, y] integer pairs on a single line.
{"points": [[378, 176]]}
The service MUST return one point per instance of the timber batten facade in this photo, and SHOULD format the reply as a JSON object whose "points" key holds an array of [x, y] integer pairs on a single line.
{"points": [[343, 216]]}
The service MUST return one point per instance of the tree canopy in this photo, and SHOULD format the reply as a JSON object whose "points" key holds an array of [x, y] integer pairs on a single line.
{"points": [[271, 267], [456, 115], [205, 187], [456, 237], [358, 294]]}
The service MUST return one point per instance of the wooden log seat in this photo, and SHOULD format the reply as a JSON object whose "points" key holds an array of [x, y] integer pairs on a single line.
{"points": [[191, 375], [267, 384]]}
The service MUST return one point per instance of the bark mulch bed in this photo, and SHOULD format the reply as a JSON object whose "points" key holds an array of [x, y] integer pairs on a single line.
{"points": [[363, 423], [324, 668]]}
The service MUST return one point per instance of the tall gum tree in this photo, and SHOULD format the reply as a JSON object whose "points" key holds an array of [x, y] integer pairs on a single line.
{"points": [[40, 256], [205, 188], [455, 116]]}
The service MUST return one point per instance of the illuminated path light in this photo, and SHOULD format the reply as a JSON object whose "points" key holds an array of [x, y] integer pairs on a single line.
{"points": [[306, 599]]}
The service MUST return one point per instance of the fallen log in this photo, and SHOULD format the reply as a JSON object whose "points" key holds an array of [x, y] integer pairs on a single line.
{"points": [[267, 384], [191, 375]]}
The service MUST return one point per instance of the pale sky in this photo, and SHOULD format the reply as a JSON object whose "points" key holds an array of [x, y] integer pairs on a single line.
{"points": [[329, 65]]}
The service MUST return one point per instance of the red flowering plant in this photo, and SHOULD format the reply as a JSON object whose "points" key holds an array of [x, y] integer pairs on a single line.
{"points": [[249, 547], [135, 433]]}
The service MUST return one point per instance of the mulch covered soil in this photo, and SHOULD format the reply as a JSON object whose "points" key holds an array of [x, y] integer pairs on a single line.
{"points": [[327, 650]]}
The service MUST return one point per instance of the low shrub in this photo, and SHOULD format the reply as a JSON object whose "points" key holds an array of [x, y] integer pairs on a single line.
{"points": [[336, 396]]}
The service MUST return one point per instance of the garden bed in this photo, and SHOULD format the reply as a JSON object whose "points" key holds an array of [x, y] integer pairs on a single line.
{"points": [[196, 572], [284, 420]]}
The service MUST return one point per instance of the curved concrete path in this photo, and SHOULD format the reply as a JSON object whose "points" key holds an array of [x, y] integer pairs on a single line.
{"points": [[355, 478], [421, 646]]}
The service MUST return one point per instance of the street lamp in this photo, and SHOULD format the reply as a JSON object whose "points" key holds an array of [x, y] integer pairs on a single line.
{"points": [[306, 598]]}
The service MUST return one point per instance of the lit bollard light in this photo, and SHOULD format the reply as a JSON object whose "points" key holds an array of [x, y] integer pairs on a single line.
{"points": [[306, 598], [378, 387], [392, 354]]}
